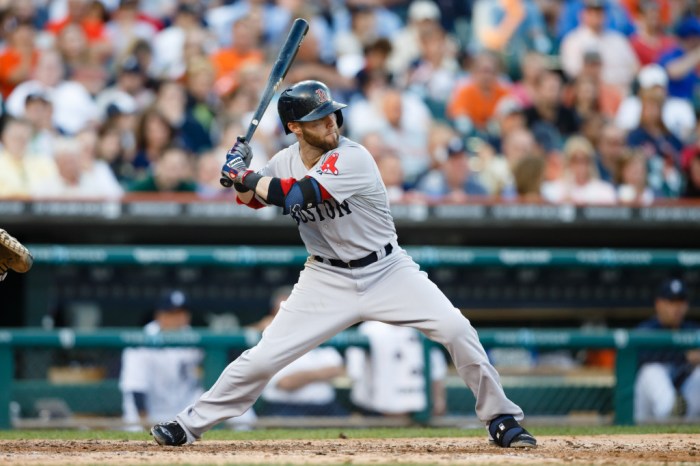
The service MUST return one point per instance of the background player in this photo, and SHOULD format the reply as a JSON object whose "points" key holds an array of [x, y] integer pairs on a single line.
{"points": [[13, 255], [389, 378], [356, 271], [668, 382]]}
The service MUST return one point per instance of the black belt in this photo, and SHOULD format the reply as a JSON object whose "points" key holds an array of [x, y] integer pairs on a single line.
{"points": [[370, 258]]}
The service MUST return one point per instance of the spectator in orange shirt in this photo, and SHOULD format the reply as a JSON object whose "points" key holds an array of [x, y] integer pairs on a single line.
{"points": [[474, 102], [18, 60], [89, 14], [245, 49]]}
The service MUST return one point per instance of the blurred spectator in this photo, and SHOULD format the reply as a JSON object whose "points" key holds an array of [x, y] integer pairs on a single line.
{"points": [[677, 114], [23, 174], [172, 172], [403, 120], [434, 73], [72, 183], [453, 181], [349, 44], [111, 149], [497, 170], [154, 134], [389, 379], [615, 16], [202, 101], [75, 51], [73, 105], [19, 57], [619, 61], [208, 174], [269, 16], [422, 15], [89, 14], [548, 111], [509, 116], [386, 22], [682, 61], [509, 28], [38, 111], [126, 26], [690, 164], [169, 44], [612, 145], [528, 176], [474, 102], [245, 49], [668, 381], [666, 10], [650, 40], [389, 165], [98, 178], [129, 92], [375, 68], [305, 386], [631, 179], [532, 66], [580, 182], [660, 146], [158, 383], [605, 97], [171, 102]]}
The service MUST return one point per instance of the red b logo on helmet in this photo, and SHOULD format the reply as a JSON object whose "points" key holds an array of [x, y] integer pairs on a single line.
{"points": [[322, 96]]}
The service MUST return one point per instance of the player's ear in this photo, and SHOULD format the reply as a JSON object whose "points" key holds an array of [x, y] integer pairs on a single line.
{"points": [[294, 127]]}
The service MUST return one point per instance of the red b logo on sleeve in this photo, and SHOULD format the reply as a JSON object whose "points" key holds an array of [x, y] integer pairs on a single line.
{"points": [[328, 165]]}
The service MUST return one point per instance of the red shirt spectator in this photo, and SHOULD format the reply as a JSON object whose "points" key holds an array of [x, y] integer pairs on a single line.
{"points": [[650, 40]]}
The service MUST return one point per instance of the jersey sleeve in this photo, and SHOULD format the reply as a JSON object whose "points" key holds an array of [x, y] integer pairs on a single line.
{"points": [[346, 171]]}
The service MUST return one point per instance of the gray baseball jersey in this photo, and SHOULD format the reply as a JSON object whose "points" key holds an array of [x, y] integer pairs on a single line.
{"points": [[357, 220], [331, 296]]}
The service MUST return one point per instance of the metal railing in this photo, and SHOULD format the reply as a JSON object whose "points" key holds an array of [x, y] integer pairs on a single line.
{"points": [[216, 345]]}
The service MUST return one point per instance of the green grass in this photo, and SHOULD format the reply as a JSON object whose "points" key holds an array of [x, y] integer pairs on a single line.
{"points": [[334, 433]]}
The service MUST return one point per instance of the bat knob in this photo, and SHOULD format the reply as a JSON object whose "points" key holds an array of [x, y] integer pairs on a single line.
{"points": [[226, 182]]}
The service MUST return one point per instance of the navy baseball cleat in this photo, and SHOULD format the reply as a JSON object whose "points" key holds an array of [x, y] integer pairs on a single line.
{"points": [[507, 433], [169, 434]]}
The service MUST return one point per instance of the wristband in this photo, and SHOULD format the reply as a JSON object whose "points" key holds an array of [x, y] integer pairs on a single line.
{"points": [[239, 187], [250, 179]]}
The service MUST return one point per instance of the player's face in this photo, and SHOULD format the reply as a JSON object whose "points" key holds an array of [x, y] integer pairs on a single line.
{"points": [[671, 312], [322, 133]]}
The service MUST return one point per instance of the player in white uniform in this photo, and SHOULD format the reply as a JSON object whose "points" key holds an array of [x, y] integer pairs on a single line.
{"points": [[157, 383], [389, 379], [356, 271]]}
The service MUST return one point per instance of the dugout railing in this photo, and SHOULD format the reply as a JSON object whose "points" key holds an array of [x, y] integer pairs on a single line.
{"points": [[627, 345]]}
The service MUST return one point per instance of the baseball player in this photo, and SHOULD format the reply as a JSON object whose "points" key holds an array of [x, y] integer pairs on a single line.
{"points": [[356, 271], [389, 378], [13, 255]]}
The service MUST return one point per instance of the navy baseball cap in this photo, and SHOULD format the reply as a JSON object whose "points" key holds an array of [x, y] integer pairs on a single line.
{"points": [[172, 300], [673, 289]]}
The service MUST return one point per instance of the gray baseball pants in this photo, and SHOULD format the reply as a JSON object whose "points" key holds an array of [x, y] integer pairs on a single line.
{"points": [[327, 300]]}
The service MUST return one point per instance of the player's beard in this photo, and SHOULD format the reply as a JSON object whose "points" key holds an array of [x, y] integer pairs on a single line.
{"points": [[324, 142]]}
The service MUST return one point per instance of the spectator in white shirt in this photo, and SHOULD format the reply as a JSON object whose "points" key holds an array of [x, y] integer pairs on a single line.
{"points": [[580, 182], [620, 63]]}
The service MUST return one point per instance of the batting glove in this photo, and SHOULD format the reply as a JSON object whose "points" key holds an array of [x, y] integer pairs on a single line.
{"points": [[233, 167], [241, 149]]}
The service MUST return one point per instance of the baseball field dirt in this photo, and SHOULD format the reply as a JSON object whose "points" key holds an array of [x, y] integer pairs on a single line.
{"points": [[641, 449]]}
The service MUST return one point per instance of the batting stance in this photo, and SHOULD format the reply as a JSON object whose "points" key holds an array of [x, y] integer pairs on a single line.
{"points": [[356, 271]]}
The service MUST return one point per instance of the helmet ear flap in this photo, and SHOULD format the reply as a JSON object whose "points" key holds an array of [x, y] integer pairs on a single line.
{"points": [[339, 118]]}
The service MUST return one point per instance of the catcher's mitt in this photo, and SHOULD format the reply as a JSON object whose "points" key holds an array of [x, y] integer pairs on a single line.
{"points": [[13, 255]]}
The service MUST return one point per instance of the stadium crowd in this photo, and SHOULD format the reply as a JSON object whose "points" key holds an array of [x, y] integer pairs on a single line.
{"points": [[561, 101]]}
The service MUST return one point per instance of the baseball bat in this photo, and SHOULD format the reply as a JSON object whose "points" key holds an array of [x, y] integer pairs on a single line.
{"points": [[279, 70]]}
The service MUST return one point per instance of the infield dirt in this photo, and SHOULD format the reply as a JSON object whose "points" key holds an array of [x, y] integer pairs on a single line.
{"points": [[667, 449]]}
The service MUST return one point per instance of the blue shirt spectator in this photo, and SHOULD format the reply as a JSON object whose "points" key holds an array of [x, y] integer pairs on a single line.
{"points": [[682, 61], [616, 16]]}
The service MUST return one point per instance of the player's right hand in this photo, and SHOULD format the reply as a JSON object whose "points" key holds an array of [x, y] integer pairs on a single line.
{"points": [[233, 167], [241, 149]]}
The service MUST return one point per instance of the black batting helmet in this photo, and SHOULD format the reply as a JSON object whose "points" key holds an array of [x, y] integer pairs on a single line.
{"points": [[307, 101]]}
